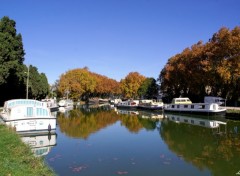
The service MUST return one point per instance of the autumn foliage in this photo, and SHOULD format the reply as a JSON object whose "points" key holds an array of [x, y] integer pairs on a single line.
{"points": [[79, 83], [211, 68], [131, 84]]}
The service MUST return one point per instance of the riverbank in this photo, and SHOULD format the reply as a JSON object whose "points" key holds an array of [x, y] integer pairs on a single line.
{"points": [[233, 113], [16, 158]]}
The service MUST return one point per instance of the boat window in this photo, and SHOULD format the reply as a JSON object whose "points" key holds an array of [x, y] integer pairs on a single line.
{"points": [[29, 111], [185, 120], [178, 106], [185, 106], [192, 106], [172, 106], [192, 121]]}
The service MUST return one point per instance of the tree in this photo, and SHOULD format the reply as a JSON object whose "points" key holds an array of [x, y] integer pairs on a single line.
{"points": [[105, 87], [78, 82], [38, 84], [130, 85], [211, 68], [11, 61], [148, 89]]}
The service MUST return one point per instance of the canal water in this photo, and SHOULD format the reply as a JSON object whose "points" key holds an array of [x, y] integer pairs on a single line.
{"points": [[101, 141]]}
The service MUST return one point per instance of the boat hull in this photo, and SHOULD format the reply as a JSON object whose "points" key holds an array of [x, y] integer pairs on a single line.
{"points": [[150, 107], [33, 125]]}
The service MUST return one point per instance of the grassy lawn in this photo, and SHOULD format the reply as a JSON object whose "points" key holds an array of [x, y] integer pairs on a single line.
{"points": [[16, 159]]}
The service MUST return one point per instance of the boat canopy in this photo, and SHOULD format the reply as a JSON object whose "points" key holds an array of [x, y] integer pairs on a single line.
{"points": [[16, 102]]}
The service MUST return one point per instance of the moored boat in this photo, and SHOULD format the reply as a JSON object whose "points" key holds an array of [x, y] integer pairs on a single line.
{"points": [[65, 103], [26, 115], [150, 104], [184, 105], [51, 104], [128, 104]]}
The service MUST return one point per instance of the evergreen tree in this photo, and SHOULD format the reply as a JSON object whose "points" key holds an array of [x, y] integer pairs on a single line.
{"points": [[11, 61]]}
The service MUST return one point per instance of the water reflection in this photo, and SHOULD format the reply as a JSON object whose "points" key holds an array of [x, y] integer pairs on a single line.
{"points": [[101, 140], [206, 143], [81, 123], [40, 143]]}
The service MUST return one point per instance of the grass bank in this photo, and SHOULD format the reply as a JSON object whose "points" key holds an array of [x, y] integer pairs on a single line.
{"points": [[16, 158], [233, 114]]}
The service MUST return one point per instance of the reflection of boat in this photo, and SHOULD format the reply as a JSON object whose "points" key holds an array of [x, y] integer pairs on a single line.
{"points": [[150, 104], [184, 105], [103, 101], [65, 109], [40, 144], [208, 123], [151, 115], [26, 115], [128, 112], [128, 104]]}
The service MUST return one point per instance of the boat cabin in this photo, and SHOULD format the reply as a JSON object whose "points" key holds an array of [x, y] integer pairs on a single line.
{"points": [[181, 101], [217, 100]]}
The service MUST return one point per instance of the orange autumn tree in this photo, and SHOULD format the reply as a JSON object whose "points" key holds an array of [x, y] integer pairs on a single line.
{"points": [[131, 84], [105, 87], [211, 68], [83, 84], [77, 82]]}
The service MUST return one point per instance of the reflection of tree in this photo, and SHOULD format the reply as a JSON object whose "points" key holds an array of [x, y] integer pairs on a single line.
{"points": [[131, 122], [198, 145], [81, 124]]}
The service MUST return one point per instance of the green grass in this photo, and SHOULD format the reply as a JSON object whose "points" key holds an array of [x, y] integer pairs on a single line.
{"points": [[233, 114], [16, 158]]}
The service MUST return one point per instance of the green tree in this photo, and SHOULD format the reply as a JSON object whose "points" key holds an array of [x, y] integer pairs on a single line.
{"points": [[11, 61], [38, 84], [148, 89]]}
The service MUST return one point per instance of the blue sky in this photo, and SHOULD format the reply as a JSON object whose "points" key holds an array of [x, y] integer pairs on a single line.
{"points": [[114, 37]]}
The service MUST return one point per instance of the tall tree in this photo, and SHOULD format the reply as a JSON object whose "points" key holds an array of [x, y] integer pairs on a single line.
{"points": [[131, 84], [38, 87], [78, 83], [148, 89], [11, 61], [211, 68]]}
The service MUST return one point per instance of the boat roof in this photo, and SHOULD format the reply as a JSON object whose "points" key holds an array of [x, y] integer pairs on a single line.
{"points": [[17, 102]]}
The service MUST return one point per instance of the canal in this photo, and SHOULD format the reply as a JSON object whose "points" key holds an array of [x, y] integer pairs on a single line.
{"points": [[100, 141]]}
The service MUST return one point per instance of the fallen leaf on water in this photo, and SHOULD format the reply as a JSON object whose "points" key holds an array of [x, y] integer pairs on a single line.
{"points": [[121, 172]]}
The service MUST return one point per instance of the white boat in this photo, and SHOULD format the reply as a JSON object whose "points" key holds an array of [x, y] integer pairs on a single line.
{"points": [[211, 99], [51, 103], [184, 105], [150, 104], [40, 144], [26, 115], [128, 104], [65, 103], [115, 101]]}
